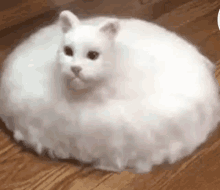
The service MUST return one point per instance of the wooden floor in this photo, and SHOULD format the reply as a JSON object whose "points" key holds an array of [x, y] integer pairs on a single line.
{"points": [[21, 168]]}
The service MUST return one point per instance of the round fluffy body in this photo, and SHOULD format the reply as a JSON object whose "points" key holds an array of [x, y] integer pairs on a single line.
{"points": [[148, 97]]}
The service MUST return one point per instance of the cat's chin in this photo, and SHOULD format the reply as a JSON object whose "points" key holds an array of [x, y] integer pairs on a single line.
{"points": [[77, 84]]}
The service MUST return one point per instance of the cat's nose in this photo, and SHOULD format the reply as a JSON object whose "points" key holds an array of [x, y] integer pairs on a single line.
{"points": [[76, 69]]}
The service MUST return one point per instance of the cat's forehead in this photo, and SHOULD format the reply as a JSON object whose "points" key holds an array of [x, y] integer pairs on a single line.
{"points": [[85, 33]]}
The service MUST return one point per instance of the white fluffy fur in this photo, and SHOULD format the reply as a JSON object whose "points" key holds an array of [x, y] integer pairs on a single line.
{"points": [[149, 97]]}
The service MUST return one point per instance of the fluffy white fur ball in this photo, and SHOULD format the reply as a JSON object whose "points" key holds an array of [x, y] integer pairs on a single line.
{"points": [[124, 93]]}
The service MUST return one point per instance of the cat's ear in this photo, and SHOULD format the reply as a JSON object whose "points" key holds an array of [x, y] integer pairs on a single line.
{"points": [[68, 20], [110, 27]]}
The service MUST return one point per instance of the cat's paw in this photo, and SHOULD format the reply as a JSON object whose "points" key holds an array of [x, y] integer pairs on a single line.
{"points": [[39, 147], [114, 163], [18, 135], [109, 166], [34, 138], [143, 167]]}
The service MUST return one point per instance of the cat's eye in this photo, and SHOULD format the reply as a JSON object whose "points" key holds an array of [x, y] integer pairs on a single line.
{"points": [[68, 51], [93, 55]]}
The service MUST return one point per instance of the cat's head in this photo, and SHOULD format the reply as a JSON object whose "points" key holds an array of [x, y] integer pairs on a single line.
{"points": [[87, 51]]}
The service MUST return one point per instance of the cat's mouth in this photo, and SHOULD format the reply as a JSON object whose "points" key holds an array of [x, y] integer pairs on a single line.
{"points": [[79, 82], [76, 83]]}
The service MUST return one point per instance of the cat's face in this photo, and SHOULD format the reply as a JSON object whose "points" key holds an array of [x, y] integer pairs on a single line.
{"points": [[87, 52]]}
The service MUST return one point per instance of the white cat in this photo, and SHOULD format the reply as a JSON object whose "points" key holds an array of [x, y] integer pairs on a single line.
{"points": [[124, 93]]}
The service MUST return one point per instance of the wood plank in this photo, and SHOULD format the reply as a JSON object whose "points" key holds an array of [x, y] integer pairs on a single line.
{"points": [[116, 181], [18, 12], [153, 9], [200, 28], [211, 46], [25, 10], [187, 13]]}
